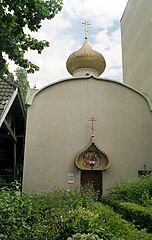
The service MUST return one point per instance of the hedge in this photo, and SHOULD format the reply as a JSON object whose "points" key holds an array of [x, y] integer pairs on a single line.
{"points": [[138, 190], [59, 215], [135, 213]]}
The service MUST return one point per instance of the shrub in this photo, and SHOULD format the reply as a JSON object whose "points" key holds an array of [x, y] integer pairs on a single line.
{"points": [[138, 208], [137, 214], [134, 190], [84, 236], [18, 218], [59, 215], [101, 221], [59, 199]]}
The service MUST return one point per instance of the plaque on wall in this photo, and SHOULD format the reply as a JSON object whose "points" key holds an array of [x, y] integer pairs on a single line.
{"points": [[71, 178]]}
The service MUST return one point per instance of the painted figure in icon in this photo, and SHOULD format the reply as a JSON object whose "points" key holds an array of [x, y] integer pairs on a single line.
{"points": [[91, 159]]}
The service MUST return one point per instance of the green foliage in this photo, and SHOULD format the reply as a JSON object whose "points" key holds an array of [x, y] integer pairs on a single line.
{"points": [[137, 214], [70, 199], [55, 206], [38, 216], [101, 221], [146, 198], [84, 236], [14, 17], [19, 218], [61, 215], [133, 200], [22, 82], [132, 190]]}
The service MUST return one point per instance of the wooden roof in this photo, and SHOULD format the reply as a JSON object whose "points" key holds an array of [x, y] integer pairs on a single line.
{"points": [[7, 90]]}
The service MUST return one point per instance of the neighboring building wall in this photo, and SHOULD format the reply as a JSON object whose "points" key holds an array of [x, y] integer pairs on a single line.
{"points": [[58, 128], [136, 27]]}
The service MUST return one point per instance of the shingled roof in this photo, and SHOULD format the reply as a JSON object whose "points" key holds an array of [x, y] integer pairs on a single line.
{"points": [[8, 92]]}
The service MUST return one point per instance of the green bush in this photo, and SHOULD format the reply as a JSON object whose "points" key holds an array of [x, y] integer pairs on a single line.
{"points": [[111, 201], [59, 199], [137, 214], [103, 222], [19, 219], [84, 236], [132, 199], [137, 190], [59, 215], [38, 216]]}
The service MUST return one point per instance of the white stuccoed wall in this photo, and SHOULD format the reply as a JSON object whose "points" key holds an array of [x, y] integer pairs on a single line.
{"points": [[58, 128]]}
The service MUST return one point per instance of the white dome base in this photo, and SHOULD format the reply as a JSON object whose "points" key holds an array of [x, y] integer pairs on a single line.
{"points": [[85, 72]]}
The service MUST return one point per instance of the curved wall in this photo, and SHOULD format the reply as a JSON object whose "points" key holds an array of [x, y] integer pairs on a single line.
{"points": [[58, 128]]}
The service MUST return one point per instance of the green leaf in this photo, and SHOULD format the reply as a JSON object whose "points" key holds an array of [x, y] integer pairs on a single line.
{"points": [[14, 17]]}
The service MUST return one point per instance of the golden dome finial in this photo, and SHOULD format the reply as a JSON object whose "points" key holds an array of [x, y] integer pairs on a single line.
{"points": [[86, 23], [86, 61]]}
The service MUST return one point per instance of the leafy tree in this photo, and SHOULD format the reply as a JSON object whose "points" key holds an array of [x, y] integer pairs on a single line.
{"points": [[14, 17], [22, 82], [10, 76]]}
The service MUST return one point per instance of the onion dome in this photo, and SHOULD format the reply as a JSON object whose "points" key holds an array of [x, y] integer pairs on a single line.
{"points": [[92, 158], [86, 61]]}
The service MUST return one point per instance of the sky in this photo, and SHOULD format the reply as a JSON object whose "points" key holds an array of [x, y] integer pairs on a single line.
{"points": [[65, 33]]}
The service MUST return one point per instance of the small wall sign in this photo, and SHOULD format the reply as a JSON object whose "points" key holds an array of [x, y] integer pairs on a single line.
{"points": [[71, 178]]}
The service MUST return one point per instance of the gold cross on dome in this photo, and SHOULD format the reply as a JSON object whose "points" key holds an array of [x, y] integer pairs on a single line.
{"points": [[86, 23], [92, 127]]}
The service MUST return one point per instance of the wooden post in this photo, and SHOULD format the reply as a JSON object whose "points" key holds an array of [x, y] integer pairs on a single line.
{"points": [[14, 163]]}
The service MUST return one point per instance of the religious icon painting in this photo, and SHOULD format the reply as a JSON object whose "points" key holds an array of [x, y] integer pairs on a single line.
{"points": [[92, 158]]}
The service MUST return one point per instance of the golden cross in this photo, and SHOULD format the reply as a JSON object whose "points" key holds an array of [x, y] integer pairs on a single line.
{"points": [[86, 23], [92, 120]]}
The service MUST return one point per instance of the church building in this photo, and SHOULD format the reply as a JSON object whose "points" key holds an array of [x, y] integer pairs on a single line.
{"points": [[86, 129]]}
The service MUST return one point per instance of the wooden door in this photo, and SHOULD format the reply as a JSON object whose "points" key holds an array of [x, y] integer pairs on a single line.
{"points": [[92, 177]]}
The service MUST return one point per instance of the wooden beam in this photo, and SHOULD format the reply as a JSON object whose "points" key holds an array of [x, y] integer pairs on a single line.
{"points": [[14, 170], [10, 133]]}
